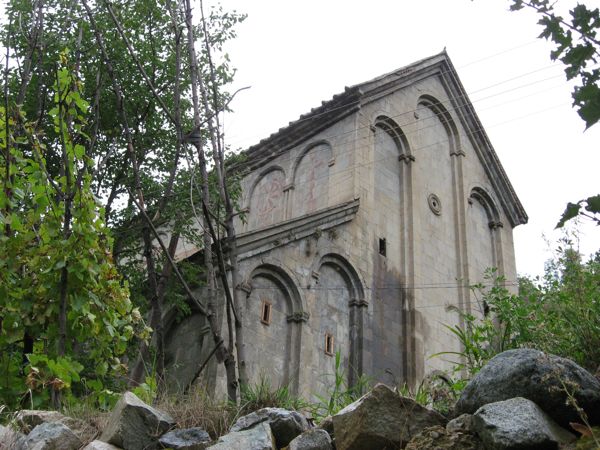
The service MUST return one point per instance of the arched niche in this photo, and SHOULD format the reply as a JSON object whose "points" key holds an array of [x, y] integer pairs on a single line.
{"points": [[311, 178], [392, 182], [273, 341], [266, 200], [442, 114], [484, 235], [339, 310]]}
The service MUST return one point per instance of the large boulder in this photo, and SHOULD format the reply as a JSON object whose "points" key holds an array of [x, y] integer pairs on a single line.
{"points": [[50, 436], [381, 419], [547, 380], [134, 425], [439, 438], [186, 439], [286, 425], [259, 437], [518, 423], [314, 439]]}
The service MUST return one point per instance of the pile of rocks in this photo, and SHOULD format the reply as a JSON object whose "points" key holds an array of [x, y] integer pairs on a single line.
{"points": [[522, 399]]}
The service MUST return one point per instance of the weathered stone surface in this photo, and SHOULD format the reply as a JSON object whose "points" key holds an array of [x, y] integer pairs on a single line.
{"points": [[134, 425], [99, 445], [28, 419], [327, 425], [286, 425], [518, 423], [462, 423], [539, 377], [381, 419], [50, 436], [314, 439], [259, 437], [9, 437], [439, 438], [187, 439]]}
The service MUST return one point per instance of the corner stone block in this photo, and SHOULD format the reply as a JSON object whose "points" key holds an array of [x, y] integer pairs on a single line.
{"points": [[134, 425]]}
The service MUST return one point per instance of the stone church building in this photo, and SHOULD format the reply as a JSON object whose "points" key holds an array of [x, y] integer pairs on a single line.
{"points": [[366, 221]]}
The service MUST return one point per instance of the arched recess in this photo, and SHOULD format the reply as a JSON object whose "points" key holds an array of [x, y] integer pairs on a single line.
{"points": [[339, 311], [394, 314], [445, 118], [266, 199], [484, 230], [311, 178], [276, 342], [440, 219]]}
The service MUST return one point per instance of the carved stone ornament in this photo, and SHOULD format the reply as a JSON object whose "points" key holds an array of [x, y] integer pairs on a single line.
{"points": [[435, 204]]}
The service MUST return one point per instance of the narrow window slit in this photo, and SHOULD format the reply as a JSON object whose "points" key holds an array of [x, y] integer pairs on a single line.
{"points": [[382, 246], [265, 313], [328, 344]]}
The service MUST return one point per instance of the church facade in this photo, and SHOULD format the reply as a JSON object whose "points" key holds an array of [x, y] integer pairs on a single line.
{"points": [[365, 222]]}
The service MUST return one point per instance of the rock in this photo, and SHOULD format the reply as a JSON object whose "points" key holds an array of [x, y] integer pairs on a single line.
{"points": [[538, 377], [99, 445], [462, 423], [314, 439], [259, 437], [439, 438], [326, 424], [50, 436], [9, 437], [286, 425], [518, 423], [134, 425], [381, 419], [187, 439], [28, 419]]}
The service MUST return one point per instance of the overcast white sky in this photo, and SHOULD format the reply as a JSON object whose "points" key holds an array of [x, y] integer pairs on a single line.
{"points": [[296, 54]]}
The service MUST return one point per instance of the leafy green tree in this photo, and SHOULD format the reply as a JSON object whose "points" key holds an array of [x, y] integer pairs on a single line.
{"points": [[66, 315], [133, 61]]}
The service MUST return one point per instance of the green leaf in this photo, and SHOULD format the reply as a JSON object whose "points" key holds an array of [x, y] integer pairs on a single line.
{"points": [[593, 204], [571, 211]]}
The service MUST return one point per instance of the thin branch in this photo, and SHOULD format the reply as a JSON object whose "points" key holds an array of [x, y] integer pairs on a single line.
{"points": [[186, 288], [137, 61]]}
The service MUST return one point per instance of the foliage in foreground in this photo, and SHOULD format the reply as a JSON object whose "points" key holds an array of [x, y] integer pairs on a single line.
{"points": [[558, 313], [66, 316]]}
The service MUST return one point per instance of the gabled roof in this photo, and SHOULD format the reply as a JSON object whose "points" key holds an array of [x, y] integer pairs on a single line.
{"points": [[354, 97]]}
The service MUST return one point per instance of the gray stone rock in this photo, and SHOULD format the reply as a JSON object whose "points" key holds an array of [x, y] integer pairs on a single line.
{"points": [[439, 438], [518, 423], [381, 419], [327, 425], [28, 419], [539, 377], [187, 439], [286, 425], [50, 436], [99, 445], [314, 439], [462, 423], [134, 425], [9, 437], [259, 437]]}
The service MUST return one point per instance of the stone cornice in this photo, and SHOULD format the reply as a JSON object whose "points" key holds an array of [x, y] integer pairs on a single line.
{"points": [[260, 241]]}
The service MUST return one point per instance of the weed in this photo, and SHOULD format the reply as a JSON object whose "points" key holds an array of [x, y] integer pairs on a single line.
{"points": [[341, 395]]}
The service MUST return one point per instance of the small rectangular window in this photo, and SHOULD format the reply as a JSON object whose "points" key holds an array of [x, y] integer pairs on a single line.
{"points": [[328, 344], [265, 312], [382, 246]]}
